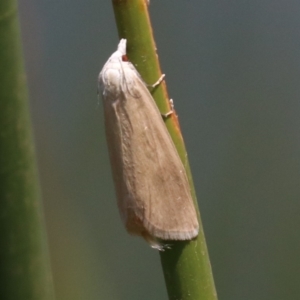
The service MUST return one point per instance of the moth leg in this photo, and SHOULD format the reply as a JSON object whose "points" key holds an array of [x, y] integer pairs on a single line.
{"points": [[170, 112], [155, 243], [157, 83], [165, 247]]}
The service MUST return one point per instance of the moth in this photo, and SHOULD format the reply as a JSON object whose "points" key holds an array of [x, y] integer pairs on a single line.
{"points": [[151, 184]]}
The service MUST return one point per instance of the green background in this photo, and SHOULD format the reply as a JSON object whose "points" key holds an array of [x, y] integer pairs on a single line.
{"points": [[233, 69]]}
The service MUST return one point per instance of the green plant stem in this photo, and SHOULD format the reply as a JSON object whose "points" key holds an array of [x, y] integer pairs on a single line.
{"points": [[186, 266], [24, 264]]}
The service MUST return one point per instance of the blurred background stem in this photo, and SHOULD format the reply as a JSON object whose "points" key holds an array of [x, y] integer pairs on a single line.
{"points": [[186, 266], [24, 264]]}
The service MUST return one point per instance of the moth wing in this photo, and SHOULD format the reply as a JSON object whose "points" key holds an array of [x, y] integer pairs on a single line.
{"points": [[153, 183]]}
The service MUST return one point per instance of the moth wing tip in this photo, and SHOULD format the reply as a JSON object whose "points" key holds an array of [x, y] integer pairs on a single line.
{"points": [[157, 243], [181, 235]]}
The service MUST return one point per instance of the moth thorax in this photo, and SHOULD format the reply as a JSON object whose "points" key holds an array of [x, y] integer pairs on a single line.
{"points": [[112, 81]]}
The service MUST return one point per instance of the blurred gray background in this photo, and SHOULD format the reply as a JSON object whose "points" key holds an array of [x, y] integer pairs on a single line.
{"points": [[233, 71]]}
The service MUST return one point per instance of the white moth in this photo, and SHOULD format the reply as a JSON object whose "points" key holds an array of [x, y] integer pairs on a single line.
{"points": [[153, 193]]}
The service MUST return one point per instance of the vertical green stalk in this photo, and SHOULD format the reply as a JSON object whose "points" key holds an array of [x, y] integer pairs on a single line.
{"points": [[186, 266], [24, 263]]}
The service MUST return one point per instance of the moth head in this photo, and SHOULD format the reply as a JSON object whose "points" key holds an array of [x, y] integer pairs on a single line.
{"points": [[120, 54]]}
